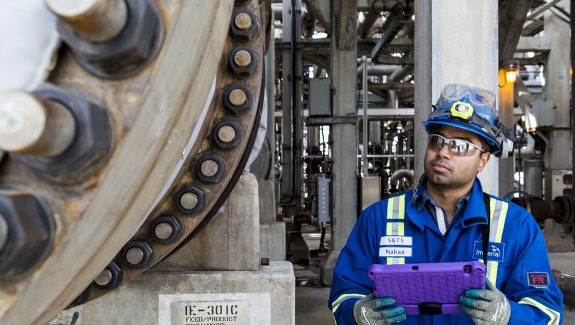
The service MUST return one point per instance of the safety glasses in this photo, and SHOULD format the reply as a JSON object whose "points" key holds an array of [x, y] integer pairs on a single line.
{"points": [[475, 96], [457, 146]]}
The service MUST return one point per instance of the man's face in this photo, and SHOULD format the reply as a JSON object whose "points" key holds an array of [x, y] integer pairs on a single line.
{"points": [[446, 169]]}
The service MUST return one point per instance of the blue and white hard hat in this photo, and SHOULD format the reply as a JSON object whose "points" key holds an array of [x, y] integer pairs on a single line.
{"points": [[472, 109]]}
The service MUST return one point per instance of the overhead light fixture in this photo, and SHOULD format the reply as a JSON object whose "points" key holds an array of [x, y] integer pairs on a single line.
{"points": [[508, 72], [511, 68], [511, 75]]}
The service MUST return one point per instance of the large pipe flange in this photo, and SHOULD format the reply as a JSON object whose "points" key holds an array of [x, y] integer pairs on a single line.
{"points": [[176, 148]]}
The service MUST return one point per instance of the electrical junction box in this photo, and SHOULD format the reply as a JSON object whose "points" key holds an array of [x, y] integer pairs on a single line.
{"points": [[319, 97], [323, 201]]}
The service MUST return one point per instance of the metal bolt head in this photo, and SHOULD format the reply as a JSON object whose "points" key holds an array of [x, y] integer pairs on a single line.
{"points": [[72, 9], [243, 61], [135, 255], [209, 168], [226, 134], [245, 26], [22, 120], [104, 278], [138, 254], [139, 40], [109, 278], [189, 201], [30, 229], [163, 230], [242, 58], [243, 21], [166, 229], [92, 143], [238, 97]]}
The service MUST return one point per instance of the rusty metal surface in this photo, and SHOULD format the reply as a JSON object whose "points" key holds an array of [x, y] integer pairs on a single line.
{"points": [[560, 209], [164, 167], [566, 283]]}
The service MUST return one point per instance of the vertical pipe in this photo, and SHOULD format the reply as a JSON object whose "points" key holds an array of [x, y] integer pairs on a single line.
{"points": [[365, 118], [572, 104], [295, 127], [423, 76]]}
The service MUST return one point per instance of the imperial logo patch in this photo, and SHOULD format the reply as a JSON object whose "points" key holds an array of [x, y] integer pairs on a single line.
{"points": [[495, 251], [538, 279]]}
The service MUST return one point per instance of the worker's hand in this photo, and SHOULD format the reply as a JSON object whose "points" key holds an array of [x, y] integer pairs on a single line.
{"points": [[486, 306], [371, 310]]}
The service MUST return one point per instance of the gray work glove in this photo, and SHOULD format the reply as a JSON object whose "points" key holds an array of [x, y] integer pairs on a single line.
{"points": [[371, 310], [486, 306]]}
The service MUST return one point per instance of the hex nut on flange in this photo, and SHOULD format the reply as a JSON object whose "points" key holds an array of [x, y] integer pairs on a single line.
{"points": [[126, 54], [116, 276], [245, 25], [243, 61], [189, 207], [141, 248], [31, 229], [89, 149], [237, 98], [210, 168], [227, 134], [170, 221]]}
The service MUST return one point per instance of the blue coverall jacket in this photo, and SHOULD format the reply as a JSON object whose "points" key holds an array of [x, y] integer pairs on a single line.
{"points": [[519, 263]]}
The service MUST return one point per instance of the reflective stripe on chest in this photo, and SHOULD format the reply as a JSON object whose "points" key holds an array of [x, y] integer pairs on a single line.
{"points": [[496, 249], [395, 229]]}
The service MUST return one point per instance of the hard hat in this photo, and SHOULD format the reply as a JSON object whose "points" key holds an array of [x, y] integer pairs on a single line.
{"points": [[472, 109]]}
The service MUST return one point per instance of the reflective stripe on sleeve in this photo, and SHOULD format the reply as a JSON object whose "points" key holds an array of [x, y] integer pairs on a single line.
{"points": [[554, 316], [342, 298], [497, 220], [395, 211]]}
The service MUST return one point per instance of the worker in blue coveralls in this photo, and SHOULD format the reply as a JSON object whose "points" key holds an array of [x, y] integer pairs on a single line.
{"points": [[446, 219]]}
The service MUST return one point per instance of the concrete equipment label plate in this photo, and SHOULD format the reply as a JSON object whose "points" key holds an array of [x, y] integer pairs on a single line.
{"points": [[215, 309], [210, 313]]}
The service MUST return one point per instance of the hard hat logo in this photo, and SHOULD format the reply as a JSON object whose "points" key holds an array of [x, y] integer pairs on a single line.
{"points": [[461, 110]]}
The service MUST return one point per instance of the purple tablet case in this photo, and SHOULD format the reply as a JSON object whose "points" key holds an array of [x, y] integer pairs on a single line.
{"points": [[427, 288]]}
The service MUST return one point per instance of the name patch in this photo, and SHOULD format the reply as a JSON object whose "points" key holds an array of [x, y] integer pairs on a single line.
{"points": [[538, 279], [495, 251], [395, 251], [396, 241]]}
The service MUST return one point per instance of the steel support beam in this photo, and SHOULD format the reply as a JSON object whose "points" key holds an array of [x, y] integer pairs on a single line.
{"points": [[557, 78], [344, 137], [423, 78]]}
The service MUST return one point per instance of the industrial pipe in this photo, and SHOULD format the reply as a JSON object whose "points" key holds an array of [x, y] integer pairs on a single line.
{"points": [[390, 86], [566, 283], [559, 210], [378, 69], [364, 164], [402, 173]]}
